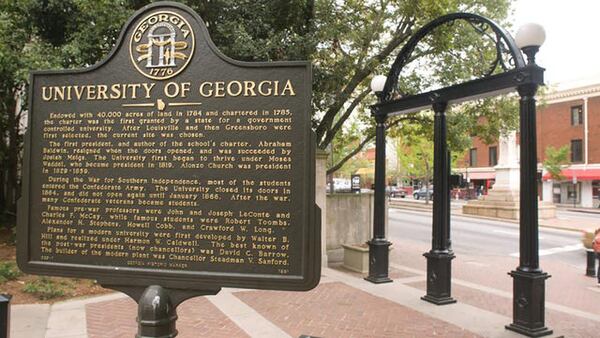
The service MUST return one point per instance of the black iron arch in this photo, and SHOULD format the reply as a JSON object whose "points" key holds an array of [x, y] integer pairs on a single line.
{"points": [[524, 78], [502, 37]]}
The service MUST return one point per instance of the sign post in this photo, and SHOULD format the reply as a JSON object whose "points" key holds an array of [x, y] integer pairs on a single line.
{"points": [[574, 191], [169, 170]]}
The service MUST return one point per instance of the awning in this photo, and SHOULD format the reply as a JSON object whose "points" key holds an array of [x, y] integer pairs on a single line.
{"points": [[480, 175], [581, 174], [365, 171]]}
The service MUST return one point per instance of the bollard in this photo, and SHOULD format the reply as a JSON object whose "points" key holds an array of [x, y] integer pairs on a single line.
{"points": [[591, 263], [5, 315]]}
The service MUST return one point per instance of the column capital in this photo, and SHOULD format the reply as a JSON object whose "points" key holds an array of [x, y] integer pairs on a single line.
{"points": [[379, 117], [528, 89], [439, 107]]}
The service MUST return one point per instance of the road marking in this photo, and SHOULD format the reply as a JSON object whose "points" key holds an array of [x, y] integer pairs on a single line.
{"points": [[511, 233], [551, 251]]}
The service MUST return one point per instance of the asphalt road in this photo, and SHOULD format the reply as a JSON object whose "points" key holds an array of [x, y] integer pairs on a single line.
{"points": [[486, 237]]}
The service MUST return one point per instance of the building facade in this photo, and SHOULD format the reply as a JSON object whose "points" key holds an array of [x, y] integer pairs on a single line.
{"points": [[567, 117]]}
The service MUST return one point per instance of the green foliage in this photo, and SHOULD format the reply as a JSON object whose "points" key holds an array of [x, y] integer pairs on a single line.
{"points": [[415, 152], [45, 288], [357, 39], [555, 160], [8, 271]]}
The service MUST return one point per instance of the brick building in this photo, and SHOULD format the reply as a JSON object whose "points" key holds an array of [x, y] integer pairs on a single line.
{"points": [[568, 117]]}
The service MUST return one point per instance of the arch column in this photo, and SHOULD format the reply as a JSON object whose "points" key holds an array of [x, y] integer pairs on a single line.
{"points": [[439, 258]]}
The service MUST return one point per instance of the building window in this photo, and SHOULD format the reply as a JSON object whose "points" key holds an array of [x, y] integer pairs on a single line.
{"points": [[493, 156], [576, 115], [576, 151], [473, 157]]}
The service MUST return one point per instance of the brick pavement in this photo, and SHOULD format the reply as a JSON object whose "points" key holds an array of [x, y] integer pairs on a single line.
{"points": [[575, 326], [197, 318], [330, 310], [344, 305], [491, 271], [338, 310]]}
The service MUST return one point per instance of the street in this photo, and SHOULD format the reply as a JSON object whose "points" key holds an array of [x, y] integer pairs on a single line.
{"points": [[486, 237]]}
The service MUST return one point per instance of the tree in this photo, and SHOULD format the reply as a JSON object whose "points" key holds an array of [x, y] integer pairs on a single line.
{"points": [[415, 152], [358, 39], [555, 161]]}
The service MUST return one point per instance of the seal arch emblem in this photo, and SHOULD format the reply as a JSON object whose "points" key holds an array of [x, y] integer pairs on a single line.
{"points": [[161, 45]]}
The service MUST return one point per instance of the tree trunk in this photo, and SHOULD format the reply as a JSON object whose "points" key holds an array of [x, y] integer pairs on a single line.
{"points": [[12, 160]]}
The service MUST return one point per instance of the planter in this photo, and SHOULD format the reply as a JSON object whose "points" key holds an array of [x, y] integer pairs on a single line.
{"points": [[356, 257]]}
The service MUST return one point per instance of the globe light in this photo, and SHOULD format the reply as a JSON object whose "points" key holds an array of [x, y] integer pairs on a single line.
{"points": [[377, 83], [530, 35]]}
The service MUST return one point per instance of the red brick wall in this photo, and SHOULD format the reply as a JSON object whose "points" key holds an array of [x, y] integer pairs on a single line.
{"points": [[554, 126], [554, 129], [594, 129]]}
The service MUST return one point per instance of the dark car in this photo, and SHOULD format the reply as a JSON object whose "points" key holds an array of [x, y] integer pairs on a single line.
{"points": [[423, 193], [393, 191]]}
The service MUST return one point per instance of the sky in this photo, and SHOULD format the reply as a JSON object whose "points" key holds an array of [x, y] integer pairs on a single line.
{"points": [[571, 53]]}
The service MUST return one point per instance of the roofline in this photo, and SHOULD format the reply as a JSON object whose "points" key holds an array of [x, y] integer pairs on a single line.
{"points": [[572, 94]]}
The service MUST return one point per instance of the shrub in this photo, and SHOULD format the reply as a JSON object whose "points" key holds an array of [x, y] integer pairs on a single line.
{"points": [[8, 271], [45, 288]]}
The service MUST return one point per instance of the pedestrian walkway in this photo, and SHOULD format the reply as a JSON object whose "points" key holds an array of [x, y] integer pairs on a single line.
{"points": [[343, 305]]}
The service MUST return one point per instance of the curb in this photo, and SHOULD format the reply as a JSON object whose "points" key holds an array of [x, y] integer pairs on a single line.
{"points": [[454, 213], [584, 211]]}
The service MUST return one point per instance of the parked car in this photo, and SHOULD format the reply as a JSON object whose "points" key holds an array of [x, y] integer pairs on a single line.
{"points": [[394, 191], [423, 193]]}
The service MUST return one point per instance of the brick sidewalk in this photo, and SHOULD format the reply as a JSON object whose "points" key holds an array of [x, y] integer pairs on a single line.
{"points": [[197, 317], [330, 310], [343, 305]]}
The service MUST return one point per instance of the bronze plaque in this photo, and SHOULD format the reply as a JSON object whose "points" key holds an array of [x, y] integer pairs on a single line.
{"points": [[169, 163]]}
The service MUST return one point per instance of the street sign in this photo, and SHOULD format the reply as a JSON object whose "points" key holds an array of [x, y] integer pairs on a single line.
{"points": [[355, 183], [171, 164]]}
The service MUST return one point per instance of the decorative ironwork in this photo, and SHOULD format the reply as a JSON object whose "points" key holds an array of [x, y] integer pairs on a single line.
{"points": [[508, 55]]}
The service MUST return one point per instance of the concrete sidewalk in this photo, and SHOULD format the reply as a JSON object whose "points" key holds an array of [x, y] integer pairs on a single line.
{"points": [[343, 305]]}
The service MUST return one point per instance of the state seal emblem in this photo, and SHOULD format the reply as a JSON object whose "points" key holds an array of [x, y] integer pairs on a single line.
{"points": [[162, 45]]}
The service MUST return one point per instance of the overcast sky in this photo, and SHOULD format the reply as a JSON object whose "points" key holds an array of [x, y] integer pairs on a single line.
{"points": [[571, 53]]}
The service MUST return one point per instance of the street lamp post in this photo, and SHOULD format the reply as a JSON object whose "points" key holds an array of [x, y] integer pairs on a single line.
{"points": [[379, 245]]}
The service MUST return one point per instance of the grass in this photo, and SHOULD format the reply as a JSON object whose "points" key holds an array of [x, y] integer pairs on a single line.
{"points": [[8, 271], [45, 288]]}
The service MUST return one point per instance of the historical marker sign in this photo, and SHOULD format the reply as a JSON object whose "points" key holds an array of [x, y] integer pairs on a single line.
{"points": [[171, 164]]}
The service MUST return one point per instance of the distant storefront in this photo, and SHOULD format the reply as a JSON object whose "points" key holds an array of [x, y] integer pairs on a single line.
{"points": [[579, 187]]}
